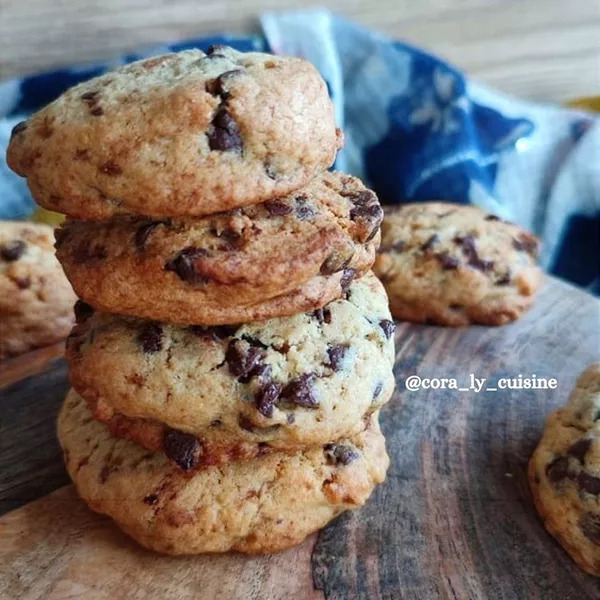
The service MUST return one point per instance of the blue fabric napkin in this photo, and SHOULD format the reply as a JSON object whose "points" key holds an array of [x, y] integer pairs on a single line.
{"points": [[416, 129]]}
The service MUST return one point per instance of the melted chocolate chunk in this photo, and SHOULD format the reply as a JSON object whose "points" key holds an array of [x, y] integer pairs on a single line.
{"points": [[323, 315], [225, 134], [336, 356], [300, 391], [184, 265], [368, 211], [388, 327], [340, 454], [266, 398], [589, 524], [304, 209], [447, 261], [218, 86], [468, 245], [183, 448], [243, 358], [150, 338], [588, 483], [579, 449], [12, 251], [346, 280], [82, 311], [558, 469], [527, 243], [431, 242], [276, 208], [143, 233], [18, 128]]}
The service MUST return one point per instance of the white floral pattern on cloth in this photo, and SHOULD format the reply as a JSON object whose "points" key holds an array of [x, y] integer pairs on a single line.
{"points": [[416, 129]]}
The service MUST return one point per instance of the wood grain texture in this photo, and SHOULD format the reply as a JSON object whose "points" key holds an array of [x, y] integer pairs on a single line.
{"points": [[454, 519], [541, 49]]}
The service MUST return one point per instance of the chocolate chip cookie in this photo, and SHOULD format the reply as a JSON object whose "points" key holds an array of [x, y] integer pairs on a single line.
{"points": [[454, 265], [182, 134], [263, 505], [284, 256], [209, 395], [36, 300], [564, 473]]}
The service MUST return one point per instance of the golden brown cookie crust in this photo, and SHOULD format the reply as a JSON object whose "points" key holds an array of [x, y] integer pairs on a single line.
{"points": [[182, 134], [564, 473], [225, 268], [455, 265], [284, 383], [36, 300], [264, 505]]}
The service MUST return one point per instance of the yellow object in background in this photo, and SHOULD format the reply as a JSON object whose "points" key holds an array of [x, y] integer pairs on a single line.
{"points": [[592, 103], [41, 215]]}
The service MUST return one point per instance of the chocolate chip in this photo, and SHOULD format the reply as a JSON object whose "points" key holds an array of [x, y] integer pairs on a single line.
{"points": [[214, 49], [245, 423], [215, 333], [12, 251], [151, 499], [323, 315], [23, 283], [18, 128], [377, 390], [143, 232], [558, 469], [579, 449], [504, 279], [468, 245], [266, 398], [527, 243], [271, 171], [217, 86], [183, 448], [395, 247], [277, 208], [290, 419], [336, 261], [304, 210], [150, 338], [492, 218], [232, 238], [340, 454], [262, 372], [90, 96], [82, 311], [388, 327], [97, 111], [225, 134], [431, 242], [336, 356], [448, 262], [184, 265], [111, 168], [589, 524], [242, 358], [588, 483], [346, 280], [300, 391]]}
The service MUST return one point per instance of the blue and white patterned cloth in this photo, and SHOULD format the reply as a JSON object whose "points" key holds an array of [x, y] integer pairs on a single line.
{"points": [[416, 129]]}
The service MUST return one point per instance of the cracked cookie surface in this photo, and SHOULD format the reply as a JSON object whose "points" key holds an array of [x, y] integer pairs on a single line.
{"points": [[564, 473], [36, 300], [263, 505], [454, 265], [216, 394], [182, 134], [228, 267]]}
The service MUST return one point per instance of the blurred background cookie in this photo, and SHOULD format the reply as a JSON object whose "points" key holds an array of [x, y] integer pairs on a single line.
{"points": [[455, 265], [36, 300]]}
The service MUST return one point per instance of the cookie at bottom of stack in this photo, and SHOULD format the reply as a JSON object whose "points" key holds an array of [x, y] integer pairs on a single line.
{"points": [[455, 265], [564, 473], [263, 505]]}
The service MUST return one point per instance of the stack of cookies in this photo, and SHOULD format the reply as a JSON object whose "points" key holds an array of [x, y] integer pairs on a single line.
{"points": [[232, 348]]}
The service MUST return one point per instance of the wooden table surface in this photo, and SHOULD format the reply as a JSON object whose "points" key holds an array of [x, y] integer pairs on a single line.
{"points": [[454, 520], [542, 49]]}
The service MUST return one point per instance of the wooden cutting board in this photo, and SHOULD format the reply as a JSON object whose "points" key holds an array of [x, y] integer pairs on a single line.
{"points": [[454, 519]]}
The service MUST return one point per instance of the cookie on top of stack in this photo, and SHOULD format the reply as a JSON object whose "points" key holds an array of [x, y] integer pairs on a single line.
{"points": [[232, 348]]}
